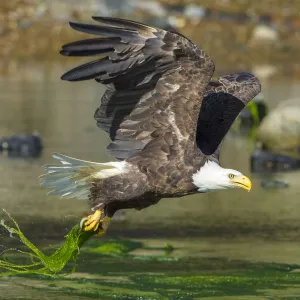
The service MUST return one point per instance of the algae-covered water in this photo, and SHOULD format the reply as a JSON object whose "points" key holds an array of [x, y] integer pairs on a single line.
{"points": [[148, 269]]}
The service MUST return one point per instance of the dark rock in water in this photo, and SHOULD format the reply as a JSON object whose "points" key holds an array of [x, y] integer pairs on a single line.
{"points": [[273, 184], [23, 145], [268, 162]]}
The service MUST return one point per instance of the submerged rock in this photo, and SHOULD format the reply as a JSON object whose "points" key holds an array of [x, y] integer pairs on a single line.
{"points": [[268, 162], [23, 145], [273, 184]]}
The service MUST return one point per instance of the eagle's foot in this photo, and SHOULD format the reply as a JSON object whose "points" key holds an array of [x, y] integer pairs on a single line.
{"points": [[95, 223]]}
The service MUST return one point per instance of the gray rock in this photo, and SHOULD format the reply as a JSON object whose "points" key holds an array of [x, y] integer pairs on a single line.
{"points": [[279, 132]]}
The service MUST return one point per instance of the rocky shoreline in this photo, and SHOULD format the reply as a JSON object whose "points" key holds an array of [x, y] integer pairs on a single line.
{"points": [[36, 30]]}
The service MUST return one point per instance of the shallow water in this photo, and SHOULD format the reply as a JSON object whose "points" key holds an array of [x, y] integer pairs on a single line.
{"points": [[230, 244], [145, 269]]}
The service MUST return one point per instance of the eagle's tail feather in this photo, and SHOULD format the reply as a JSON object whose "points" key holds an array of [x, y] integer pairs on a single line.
{"points": [[73, 177]]}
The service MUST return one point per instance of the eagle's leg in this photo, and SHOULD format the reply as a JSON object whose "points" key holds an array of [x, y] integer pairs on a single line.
{"points": [[95, 222]]}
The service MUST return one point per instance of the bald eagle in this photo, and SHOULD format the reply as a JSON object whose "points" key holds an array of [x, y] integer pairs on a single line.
{"points": [[165, 115]]}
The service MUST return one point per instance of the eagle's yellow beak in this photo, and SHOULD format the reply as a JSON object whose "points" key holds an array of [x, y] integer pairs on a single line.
{"points": [[242, 182]]}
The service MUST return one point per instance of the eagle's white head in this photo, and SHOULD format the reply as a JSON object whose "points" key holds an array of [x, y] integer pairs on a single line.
{"points": [[212, 177]]}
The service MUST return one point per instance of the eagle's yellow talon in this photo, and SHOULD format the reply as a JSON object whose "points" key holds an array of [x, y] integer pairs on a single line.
{"points": [[91, 226], [94, 222], [96, 227]]}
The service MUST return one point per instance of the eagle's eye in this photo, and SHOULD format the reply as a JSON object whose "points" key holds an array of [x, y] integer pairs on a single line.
{"points": [[231, 176]]}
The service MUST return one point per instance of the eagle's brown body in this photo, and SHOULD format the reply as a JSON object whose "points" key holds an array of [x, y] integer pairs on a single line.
{"points": [[143, 187], [165, 116]]}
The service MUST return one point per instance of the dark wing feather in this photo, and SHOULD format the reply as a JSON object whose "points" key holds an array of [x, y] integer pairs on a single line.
{"points": [[224, 100], [155, 84]]}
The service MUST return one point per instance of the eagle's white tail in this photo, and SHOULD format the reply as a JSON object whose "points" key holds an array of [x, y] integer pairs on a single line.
{"points": [[73, 177]]}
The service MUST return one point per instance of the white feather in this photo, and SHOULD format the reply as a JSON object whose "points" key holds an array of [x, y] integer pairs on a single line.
{"points": [[73, 177], [212, 176]]}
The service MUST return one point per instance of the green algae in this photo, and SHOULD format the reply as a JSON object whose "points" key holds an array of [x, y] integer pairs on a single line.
{"points": [[108, 268], [119, 247], [55, 263], [107, 275], [253, 280], [193, 278], [252, 107], [40, 263], [125, 247]]}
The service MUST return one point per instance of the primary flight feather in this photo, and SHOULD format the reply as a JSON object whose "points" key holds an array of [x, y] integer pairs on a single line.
{"points": [[165, 116]]}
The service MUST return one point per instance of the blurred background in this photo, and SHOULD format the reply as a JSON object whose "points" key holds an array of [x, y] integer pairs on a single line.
{"points": [[41, 114]]}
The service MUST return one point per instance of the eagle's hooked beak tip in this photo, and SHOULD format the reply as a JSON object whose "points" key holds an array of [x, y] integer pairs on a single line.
{"points": [[243, 182]]}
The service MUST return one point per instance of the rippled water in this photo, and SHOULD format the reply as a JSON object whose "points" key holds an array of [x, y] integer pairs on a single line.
{"points": [[225, 242]]}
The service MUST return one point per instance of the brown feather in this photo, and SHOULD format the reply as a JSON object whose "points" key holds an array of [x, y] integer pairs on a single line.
{"points": [[160, 109]]}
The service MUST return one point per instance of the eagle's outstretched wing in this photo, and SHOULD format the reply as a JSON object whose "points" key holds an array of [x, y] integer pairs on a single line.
{"points": [[155, 83], [223, 101]]}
